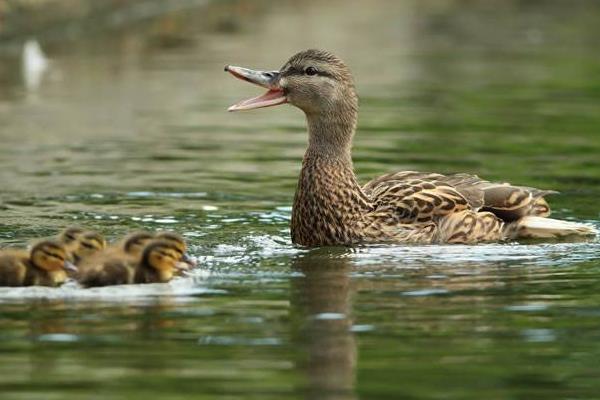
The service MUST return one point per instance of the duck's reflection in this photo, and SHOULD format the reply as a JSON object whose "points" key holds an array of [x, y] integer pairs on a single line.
{"points": [[321, 310]]}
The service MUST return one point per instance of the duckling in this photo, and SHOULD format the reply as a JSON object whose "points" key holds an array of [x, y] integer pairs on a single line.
{"points": [[134, 243], [330, 206], [117, 262], [44, 265], [69, 238], [90, 243], [157, 264], [186, 260], [81, 243], [112, 269]]}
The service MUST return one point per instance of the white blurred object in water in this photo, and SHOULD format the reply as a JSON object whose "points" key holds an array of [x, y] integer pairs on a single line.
{"points": [[34, 64]]}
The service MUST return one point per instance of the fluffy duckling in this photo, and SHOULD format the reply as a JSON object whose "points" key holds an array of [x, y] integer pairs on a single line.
{"points": [[89, 244], [158, 263], [44, 265], [69, 237], [120, 260], [81, 243], [134, 243], [186, 262]]}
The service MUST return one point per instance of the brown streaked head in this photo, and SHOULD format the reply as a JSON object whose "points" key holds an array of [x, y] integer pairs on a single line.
{"points": [[315, 81], [50, 255], [161, 255], [178, 241], [134, 243], [89, 243], [70, 234]]}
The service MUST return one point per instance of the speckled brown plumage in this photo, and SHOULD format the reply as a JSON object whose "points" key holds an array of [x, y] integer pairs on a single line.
{"points": [[331, 208]]}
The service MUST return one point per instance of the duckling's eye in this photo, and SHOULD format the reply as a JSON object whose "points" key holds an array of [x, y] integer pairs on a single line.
{"points": [[88, 245], [310, 71], [48, 254]]}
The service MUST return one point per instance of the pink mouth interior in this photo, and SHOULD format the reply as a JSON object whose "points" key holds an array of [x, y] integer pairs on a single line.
{"points": [[272, 98]]}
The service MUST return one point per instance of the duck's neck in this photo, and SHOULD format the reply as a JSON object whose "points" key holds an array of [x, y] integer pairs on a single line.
{"points": [[329, 202]]}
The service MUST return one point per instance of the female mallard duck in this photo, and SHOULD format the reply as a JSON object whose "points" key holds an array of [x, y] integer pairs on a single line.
{"points": [[158, 263], [331, 208], [81, 243], [43, 265]]}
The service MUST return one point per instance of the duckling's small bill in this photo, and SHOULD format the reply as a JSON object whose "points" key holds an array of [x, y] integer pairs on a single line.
{"points": [[266, 79]]}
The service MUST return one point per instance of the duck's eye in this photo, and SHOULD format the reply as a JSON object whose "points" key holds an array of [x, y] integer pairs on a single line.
{"points": [[310, 71]]}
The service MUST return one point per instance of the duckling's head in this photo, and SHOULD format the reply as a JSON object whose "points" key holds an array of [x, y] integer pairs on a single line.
{"points": [[134, 243], [161, 256], [70, 235], [50, 255], [315, 81], [177, 241], [89, 242]]}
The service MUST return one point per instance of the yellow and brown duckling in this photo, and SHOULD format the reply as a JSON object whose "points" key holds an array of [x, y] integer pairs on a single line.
{"points": [[158, 263], [117, 263], [186, 261], [44, 265], [68, 237], [332, 208], [81, 243], [134, 243], [127, 253]]}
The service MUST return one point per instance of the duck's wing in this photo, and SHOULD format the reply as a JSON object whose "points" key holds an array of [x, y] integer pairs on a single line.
{"points": [[508, 202], [411, 196]]}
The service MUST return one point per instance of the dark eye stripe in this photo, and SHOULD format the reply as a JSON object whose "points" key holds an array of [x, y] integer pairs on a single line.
{"points": [[59, 256], [295, 71]]}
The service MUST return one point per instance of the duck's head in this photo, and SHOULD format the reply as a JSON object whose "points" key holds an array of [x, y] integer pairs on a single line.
{"points": [[315, 81], [178, 241], [80, 243], [51, 256], [161, 256], [88, 243], [70, 235], [134, 243]]}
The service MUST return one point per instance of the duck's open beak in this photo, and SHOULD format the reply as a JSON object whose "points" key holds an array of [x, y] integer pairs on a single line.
{"points": [[266, 79]]}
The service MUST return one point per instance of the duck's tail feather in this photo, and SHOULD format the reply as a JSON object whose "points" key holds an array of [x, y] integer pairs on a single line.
{"points": [[546, 228]]}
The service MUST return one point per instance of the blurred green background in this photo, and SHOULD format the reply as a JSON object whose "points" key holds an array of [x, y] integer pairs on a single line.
{"points": [[112, 116]]}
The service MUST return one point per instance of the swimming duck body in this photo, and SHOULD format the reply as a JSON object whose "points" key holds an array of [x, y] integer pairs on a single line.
{"points": [[332, 208]]}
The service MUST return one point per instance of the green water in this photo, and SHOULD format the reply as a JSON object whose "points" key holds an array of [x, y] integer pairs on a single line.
{"points": [[128, 130]]}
